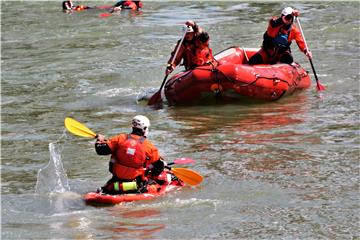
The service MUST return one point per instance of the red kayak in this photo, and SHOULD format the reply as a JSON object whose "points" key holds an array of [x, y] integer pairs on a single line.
{"points": [[233, 79], [153, 190]]}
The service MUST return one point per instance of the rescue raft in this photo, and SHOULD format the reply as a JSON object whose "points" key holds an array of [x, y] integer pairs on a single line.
{"points": [[153, 190], [233, 79]]}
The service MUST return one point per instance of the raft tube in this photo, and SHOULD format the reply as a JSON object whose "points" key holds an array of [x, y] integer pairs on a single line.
{"points": [[233, 79]]}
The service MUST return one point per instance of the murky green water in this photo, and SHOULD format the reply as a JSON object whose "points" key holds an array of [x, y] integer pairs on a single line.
{"points": [[282, 170]]}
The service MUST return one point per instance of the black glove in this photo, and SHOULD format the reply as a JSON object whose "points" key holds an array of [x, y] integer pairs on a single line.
{"points": [[156, 168]]}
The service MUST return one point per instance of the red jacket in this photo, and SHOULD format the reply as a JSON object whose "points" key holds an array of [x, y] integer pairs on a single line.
{"points": [[184, 53], [131, 154], [202, 56], [276, 25]]}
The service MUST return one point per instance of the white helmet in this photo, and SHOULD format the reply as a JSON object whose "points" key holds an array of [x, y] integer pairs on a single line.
{"points": [[287, 11], [141, 122], [188, 29]]}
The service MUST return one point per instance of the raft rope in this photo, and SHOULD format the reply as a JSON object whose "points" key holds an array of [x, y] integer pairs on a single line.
{"points": [[257, 76]]}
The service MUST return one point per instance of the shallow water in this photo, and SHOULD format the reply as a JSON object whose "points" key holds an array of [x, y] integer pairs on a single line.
{"points": [[281, 170]]}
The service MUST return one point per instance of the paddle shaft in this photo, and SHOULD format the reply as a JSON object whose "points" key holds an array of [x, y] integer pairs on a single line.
{"points": [[162, 84], [157, 95], [173, 60], [310, 60]]}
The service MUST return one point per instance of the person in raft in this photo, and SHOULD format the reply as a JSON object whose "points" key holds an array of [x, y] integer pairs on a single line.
{"points": [[68, 6], [187, 49], [202, 54], [133, 5], [277, 40], [135, 162]]}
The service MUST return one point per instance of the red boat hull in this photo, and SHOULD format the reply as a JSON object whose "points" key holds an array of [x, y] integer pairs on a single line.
{"points": [[154, 190], [233, 79]]}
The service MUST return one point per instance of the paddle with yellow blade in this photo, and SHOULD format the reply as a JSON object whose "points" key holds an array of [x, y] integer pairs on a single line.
{"points": [[78, 129], [186, 175]]}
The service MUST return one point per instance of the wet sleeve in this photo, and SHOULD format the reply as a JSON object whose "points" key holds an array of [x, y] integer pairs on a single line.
{"points": [[298, 38], [274, 26], [276, 22], [102, 148]]}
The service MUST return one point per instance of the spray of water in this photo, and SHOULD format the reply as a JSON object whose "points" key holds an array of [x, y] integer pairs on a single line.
{"points": [[52, 178]]}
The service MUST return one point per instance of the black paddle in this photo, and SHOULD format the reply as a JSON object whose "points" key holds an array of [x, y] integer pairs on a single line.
{"points": [[156, 98]]}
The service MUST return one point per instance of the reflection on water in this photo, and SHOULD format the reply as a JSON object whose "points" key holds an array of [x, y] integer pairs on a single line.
{"points": [[256, 140], [126, 223]]}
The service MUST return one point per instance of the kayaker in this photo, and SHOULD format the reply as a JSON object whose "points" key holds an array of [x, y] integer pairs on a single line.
{"points": [[133, 5], [187, 47], [133, 158], [277, 40]]}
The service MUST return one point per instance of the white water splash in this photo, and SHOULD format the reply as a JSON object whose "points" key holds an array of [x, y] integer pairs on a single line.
{"points": [[52, 178]]}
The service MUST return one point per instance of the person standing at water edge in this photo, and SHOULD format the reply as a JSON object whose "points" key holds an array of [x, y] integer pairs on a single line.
{"points": [[277, 40], [133, 158]]}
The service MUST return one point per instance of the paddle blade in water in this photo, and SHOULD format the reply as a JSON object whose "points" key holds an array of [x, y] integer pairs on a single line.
{"points": [[320, 87], [78, 129], [155, 99], [188, 176]]}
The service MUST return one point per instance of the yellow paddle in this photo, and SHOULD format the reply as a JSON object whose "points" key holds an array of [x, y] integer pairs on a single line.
{"points": [[78, 129], [186, 175]]}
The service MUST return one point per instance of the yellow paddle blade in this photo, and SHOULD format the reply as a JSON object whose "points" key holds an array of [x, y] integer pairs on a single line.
{"points": [[78, 129], [187, 176]]}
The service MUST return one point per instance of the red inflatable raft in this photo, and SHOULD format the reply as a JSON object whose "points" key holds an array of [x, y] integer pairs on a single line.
{"points": [[233, 78], [153, 191]]}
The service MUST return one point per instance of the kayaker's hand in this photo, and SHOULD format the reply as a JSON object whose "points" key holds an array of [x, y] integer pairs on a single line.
{"points": [[156, 168], [296, 13], [100, 138], [169, 69], [308, 53]]}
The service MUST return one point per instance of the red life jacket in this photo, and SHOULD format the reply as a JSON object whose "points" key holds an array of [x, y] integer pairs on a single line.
{"points": [[202, 57], [129, 5], [130, 158]]}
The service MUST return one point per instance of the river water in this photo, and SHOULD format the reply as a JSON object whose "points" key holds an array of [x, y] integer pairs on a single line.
{"points": [[281, 170]]}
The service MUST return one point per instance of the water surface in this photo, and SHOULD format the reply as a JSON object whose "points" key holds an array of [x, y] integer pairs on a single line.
{"points": [[281, 170]]}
